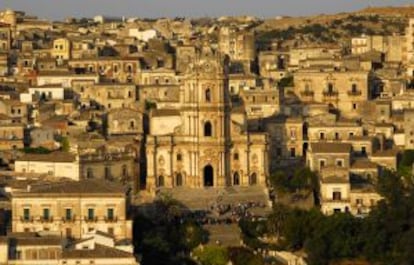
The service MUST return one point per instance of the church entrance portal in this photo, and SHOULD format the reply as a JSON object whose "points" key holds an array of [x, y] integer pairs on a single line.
{"points": [[208, 176]]}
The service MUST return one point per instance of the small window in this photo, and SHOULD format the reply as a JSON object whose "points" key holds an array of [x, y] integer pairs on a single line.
{"points": [[108, 174], [236, 156], [208, 95], [363, 150], [26, 214], [208, 130], [336, 195], [110, 214], [292, 152], [321, 163], [68, 214], [89, 173], [91, 214], [179, 157], [354, 88], [339, 163], [46, 213], [321, 136]]}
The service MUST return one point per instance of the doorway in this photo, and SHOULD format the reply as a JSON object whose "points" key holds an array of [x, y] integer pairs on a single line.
{"points": [[208, 176]]}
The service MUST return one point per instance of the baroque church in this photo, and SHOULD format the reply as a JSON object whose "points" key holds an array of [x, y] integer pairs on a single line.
{"points": [[203, 140]]}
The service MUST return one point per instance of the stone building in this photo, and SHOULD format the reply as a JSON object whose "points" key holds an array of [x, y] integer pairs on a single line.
{"points": [[72, 209], [286, 139], [409, 56], [56, 164], [343, 90], [112, 68], [239, 45], [110, 95], [5, 37], [204, 143], [61, 49], [44, 248], [124, 121], [409, 129], [109, 163], [261, 101]]}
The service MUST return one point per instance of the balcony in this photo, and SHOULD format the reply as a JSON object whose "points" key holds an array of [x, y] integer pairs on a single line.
{"points": [[91, 219], [354, 93], [111, 219], [68, 220], [330, 94], [46, 219], [26, 220], [307, 94]]}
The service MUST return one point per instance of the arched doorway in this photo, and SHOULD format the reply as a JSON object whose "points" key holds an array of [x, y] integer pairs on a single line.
{"points": [[236, 179], [179, 180], [208, 129], [253, 179], [208, 176], [160, 181]]}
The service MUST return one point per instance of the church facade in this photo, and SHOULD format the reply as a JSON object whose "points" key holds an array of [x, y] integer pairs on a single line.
{"points": [[203, 141]]}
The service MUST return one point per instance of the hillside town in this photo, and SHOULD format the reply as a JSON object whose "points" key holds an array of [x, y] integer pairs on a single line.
{"points": [[112, 126]]}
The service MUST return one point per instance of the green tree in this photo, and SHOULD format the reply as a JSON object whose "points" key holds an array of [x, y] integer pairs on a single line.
{"points": [[277, 219], [244, 256], [212, 255], [193, 235], [286, 81], [37, 150], [65, 144]]}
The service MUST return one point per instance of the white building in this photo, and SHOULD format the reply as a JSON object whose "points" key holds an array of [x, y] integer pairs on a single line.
{"points": [[56, 164], [143, 35], [49, 92]]}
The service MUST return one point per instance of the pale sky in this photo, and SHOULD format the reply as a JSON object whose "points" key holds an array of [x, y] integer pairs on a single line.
{"points": [[59, 9]]}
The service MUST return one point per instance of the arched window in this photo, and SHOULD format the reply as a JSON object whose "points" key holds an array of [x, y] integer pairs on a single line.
{"points": [[132, 124], [236, 156], [354, 88], [208, 129], [208, 95]]}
